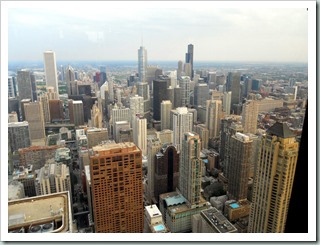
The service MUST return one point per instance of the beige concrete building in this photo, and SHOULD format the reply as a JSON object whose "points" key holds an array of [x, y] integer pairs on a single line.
{"points": [[273, 180], [34, 116]]}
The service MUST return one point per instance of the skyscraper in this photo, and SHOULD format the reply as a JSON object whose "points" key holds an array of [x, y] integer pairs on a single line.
{"points": [[24, 84], [117, 191], [120, 114], [45, 107], [166, 107], [233, 85], [142, 64], [240, 157], [189, 58], [76, 112], [52, 178], [154, 145], [140, 133], [11, 87], [190, 167], [250, 116], [182, 122], [18, 134], [70, 79], [203, 132], [226, 102], [34, 116], [166, 176], [213, 117], [201, 94], [185, 90], [160, 86], [273, 180], [56, 109], [50, 69], [136, 105]]}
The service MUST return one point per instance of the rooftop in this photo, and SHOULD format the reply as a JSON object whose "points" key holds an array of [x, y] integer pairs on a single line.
{"points": [[216, 219], [33, 211], [281, 130]]}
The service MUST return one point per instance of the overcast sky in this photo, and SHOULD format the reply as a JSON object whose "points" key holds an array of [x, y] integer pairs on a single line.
{"points": [[109, 31]]}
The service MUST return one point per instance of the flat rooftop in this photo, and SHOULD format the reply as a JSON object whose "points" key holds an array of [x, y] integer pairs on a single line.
{"points": [[29, 212]]}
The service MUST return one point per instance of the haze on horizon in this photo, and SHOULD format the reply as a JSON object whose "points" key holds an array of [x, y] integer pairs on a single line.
{"points": [[102, 31]]}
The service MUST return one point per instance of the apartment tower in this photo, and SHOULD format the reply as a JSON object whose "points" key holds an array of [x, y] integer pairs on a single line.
{"points": [[117, 191], [273, 180]]}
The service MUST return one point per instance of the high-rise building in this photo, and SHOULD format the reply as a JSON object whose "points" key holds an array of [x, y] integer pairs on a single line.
{"points": [[180, 69], [52, 94], [154, 145], [250, 116], [120, 114], [123, 132], [96, 136], [117, 191], [160, 86], [201, 94], [34, 116], [233, 85], [182, 122], [211, 80], [213, 117], [136, 105], [177, 97], [37, 155], [190, 168], [52, 178], [50, 69], [165, 136], [13, 105], [226, 102], [273, 180], [18, 134], [140, 133], [247, 86], [143, 91], [11, 87], [203, 132], [166, 174], [96, 115], [56, 110], [240, 157], [229, 126], [70, 79], [24, 84], [185, 90], [76, 112], [142, 64], [22, 103], [45, 107], [166, 107], [189, 58]]}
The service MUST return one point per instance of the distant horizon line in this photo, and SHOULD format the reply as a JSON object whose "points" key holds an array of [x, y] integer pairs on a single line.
{"points": [[171, 61]]}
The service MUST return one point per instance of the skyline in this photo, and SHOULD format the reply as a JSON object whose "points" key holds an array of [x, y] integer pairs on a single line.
{"points": [[152, 58], [101, 32]]}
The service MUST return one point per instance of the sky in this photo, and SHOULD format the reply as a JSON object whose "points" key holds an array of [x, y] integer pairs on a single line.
{"points": [[115, 31]]}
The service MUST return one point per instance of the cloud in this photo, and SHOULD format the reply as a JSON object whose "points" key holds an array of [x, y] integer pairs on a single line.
{"points": [[115, 32]]}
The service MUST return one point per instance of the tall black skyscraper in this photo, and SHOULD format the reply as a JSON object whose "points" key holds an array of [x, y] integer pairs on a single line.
{"points": [[233, 85], [189, 58], [160, 86]]}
